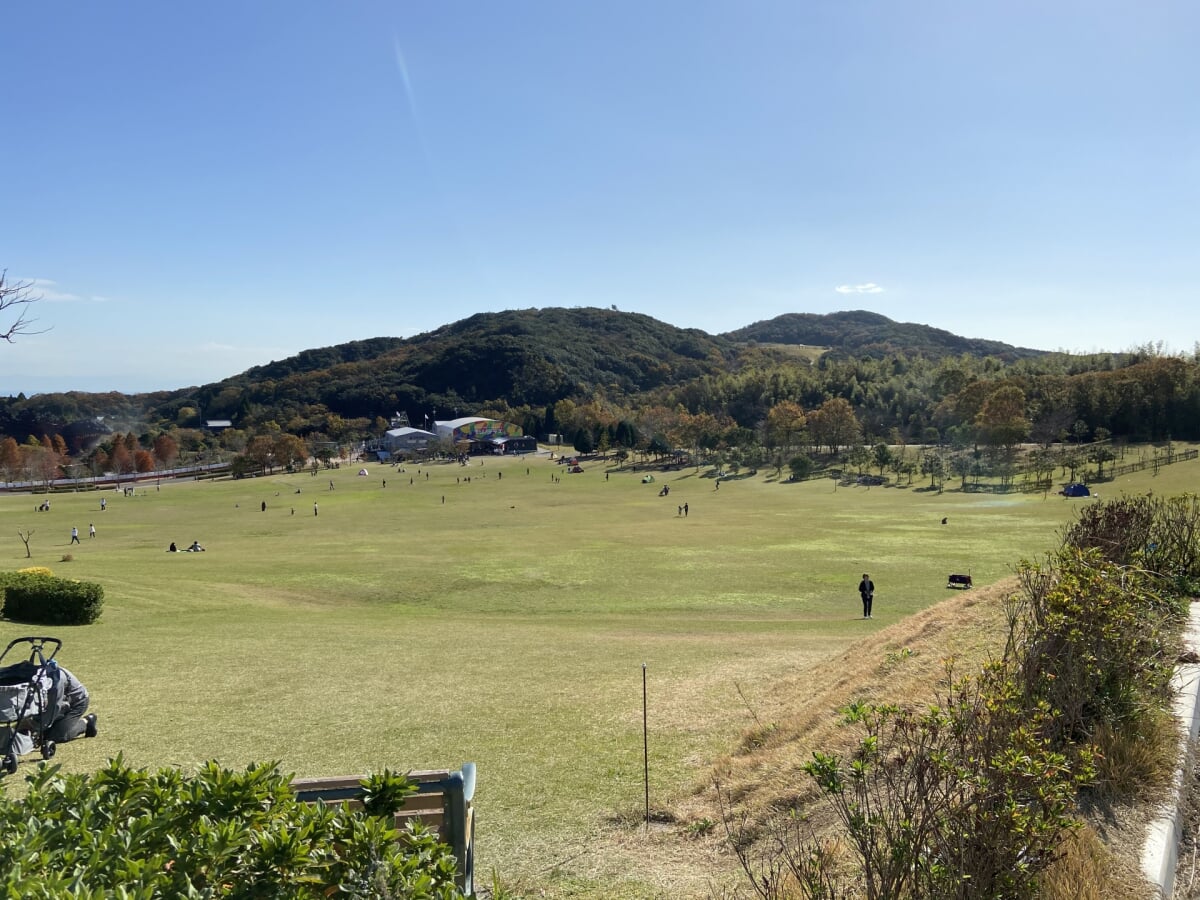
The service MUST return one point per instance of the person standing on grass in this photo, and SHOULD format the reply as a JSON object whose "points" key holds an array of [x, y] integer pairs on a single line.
{"points": [[91, 529], [74, 535], [866, 589]]}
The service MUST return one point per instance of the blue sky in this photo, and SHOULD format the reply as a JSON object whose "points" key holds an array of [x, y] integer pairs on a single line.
{"points": [[196, 188]]}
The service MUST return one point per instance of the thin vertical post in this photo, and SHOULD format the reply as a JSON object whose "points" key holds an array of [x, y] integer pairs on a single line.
{"points": [[645, 747]]}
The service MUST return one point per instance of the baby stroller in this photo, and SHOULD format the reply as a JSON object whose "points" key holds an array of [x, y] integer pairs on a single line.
{"points": [[29, 697]]}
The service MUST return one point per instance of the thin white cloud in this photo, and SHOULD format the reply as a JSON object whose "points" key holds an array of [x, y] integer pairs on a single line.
{"points": [[48, 290], [869, 288]]}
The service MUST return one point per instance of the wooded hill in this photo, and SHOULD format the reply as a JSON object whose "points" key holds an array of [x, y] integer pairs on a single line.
{"points": [[862, 333], [566, 369]]}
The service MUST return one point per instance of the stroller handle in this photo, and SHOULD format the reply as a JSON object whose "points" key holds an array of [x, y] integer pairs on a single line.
{"points": [[37, 646]]}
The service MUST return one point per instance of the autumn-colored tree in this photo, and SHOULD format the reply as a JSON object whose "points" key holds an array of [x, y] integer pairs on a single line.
{"points": [[969, 402], [596, 415], [655, 423], [785, 420], [834, 425], [699, 431], [10, 458], [166, 450], [40, 462], [143, 461], [1001, 421], [261, 451], [60, 446], [289, 450], [99, 461], [121, 459]]}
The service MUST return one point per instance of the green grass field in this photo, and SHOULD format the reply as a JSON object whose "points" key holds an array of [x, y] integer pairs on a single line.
{"points": [[506, 624]]}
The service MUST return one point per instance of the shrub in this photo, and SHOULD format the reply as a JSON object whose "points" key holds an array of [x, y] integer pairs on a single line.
{"points": [[966, 798], [21, 576], [221, 834], [973, 797], [46, 600], [1094, 640], [801, 467], [1158, 534]]}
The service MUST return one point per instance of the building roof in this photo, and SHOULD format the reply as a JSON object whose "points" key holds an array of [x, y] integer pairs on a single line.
{"points": [[462, 420], [409, 432]]}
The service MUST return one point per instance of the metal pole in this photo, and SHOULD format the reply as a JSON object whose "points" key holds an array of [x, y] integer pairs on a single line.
{"points": [[645, 747]]}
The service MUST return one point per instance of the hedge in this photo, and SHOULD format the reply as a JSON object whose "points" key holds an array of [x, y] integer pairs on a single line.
{"points": [[132, 833], [46, 600]]}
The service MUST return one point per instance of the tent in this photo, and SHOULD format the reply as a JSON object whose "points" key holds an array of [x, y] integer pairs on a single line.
{"points": [[1076, 490], [362, 471]]}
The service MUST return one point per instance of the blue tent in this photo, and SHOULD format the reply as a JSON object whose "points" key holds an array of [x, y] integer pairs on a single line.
{"points": [[1076, 490]]}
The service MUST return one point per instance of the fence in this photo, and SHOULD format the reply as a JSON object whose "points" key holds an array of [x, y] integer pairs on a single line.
{"points": [[1163, 460]]}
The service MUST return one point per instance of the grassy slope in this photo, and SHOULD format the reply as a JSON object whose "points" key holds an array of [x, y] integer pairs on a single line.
{"points": [[506, 626]]}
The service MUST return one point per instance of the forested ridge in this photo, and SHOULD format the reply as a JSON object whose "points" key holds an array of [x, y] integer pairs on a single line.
{"points": [[624, 378], [863, 333]]}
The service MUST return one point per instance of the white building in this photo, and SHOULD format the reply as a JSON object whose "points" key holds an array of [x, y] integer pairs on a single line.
{"points": [[406, 440]]}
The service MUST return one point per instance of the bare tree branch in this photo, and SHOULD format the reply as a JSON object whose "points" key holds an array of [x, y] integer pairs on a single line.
{"points": [[17, 296]]}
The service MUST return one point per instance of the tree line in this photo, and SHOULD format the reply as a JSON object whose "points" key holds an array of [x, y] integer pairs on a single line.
{"points": [[614, 381]]}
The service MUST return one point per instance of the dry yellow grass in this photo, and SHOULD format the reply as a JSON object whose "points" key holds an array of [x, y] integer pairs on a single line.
{"points": [[1089, 869], [903, 664], [685, 851]]}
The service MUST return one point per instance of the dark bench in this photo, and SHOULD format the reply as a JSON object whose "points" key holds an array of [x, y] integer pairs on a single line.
{"points": [[443, 802], [960, 581]]}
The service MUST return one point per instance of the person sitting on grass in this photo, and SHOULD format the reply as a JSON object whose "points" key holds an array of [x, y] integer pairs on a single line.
{"points": [[195, 548]]}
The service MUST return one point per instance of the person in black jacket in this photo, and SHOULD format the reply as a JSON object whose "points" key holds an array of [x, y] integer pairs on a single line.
{"points": [[866, 588]]}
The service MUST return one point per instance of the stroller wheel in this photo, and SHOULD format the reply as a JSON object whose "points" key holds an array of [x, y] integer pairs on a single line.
{"points": [[10, 763], [48, 748]]}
